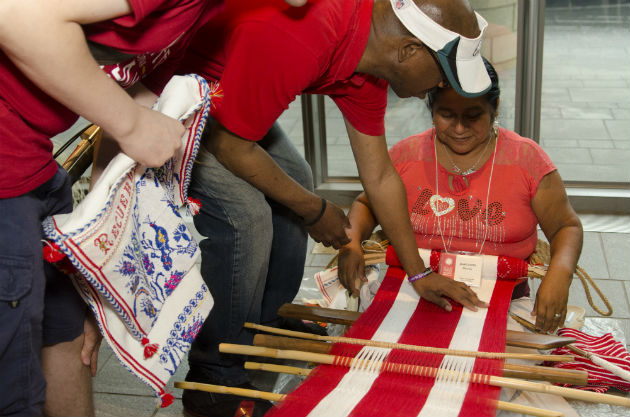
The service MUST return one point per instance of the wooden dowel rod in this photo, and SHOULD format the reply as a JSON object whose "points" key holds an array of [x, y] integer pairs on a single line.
{"points": [[501, 405], [427, 349], [221, 389], [347, 318], [427, 371], [541, 373], [280, 369]]}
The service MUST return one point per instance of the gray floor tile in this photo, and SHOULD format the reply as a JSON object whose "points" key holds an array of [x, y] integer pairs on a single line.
{"points": [[596, 144], [560, 143], [574, 129], [582, 172], [610, 156], [113, 378], [592, 257], [618, 129], [616, 249], [567, 155], [108, 405], [621, 114], [613, 290], [604, 95], [571, 112]]}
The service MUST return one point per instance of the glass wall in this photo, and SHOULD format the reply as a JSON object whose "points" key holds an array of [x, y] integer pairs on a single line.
{"points": [[585, 114], [405, 117]]}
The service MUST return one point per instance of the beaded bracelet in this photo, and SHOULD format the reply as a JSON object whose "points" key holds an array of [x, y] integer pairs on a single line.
{"points": [[421, 275], [319, 216]]}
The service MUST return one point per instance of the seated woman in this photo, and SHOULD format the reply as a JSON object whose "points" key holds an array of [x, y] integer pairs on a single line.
{"points": [[473, 186]]}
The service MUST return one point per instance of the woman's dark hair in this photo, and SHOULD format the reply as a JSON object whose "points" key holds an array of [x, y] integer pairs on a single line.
{"points": [[492, 96]]}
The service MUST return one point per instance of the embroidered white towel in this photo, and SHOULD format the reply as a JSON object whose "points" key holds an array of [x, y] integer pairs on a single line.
{"points": [[135, 255]]}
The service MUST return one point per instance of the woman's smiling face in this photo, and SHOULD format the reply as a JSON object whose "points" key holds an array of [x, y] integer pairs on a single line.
{"points": [[462, 124]]}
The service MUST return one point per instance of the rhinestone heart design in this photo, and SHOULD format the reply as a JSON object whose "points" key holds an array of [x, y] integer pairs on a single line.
{"points": [[441, 205]]}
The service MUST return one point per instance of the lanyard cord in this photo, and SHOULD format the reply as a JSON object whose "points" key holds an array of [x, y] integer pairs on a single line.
{"points": [[437, 190]]}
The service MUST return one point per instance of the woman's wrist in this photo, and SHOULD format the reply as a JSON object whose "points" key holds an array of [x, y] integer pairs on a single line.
{"points": [[428, 271]]}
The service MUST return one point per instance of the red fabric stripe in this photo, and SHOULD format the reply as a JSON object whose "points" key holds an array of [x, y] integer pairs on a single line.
{"points": [[325, 378], [429, 325], [481, 399]]}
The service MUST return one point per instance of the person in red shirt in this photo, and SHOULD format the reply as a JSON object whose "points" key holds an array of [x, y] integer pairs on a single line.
{"points": [[256, 191], [478, 188], [57, 60]]}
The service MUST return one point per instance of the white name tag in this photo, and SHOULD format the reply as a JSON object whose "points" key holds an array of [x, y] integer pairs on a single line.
{"points": [[468, 269]]}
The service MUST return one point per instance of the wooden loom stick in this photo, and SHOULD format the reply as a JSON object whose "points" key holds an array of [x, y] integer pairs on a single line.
{"points": [[347, 318], [544, 373], [426, 349], [498, 381], [501, 405]]}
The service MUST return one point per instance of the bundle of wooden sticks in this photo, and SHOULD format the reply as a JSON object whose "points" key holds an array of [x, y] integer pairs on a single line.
{"points": [[291, 345]]}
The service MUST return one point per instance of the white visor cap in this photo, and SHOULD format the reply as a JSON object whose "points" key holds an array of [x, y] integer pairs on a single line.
{"points": [[459, 56]]}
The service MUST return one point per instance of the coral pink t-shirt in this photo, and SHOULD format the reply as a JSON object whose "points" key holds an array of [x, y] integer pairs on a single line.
{"points": [[153, 38], [265, 53], [457, 212]]}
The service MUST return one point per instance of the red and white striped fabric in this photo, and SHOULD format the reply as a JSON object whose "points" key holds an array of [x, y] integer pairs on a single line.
{"points": [[607, 348], [397, 314]]}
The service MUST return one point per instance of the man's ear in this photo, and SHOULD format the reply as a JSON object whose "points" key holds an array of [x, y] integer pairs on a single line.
{"points": [[408, 48]]}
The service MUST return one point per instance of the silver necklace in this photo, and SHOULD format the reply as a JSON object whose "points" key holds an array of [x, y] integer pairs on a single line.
{"points": [[437, 192], [473, 168]]}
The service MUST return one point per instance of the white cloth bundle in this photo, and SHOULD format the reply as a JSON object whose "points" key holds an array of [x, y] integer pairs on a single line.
{"points": [[135, 255], [336, 296]]}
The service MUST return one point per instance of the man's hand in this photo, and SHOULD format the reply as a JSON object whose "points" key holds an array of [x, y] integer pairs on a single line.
{"points": [[351, 270], [435, 287], [153, 139], [550, 307], [91, 342], [330, 230]]}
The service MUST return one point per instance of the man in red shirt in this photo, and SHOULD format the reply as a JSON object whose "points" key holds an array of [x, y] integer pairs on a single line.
{"points": [[49, 72], [255, 188]]}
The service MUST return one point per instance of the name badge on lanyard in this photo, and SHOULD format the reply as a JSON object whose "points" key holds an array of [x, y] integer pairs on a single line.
{"points": [[463, 268]]}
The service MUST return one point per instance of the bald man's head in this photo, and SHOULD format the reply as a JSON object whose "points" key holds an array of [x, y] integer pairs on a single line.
{"points": [[455, 15]]}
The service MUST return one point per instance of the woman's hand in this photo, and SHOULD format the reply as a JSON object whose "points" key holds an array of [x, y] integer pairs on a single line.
{"points": [[436, 287], [351, 268], [550, 307]]}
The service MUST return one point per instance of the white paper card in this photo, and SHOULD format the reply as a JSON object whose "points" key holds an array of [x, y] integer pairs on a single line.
{"points": [[468, 269]]}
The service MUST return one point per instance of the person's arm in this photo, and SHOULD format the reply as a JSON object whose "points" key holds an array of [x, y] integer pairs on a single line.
{"points": [[388, 200], [563, 230], [107, 148], [351, 265], [247, 160], [46, 42]]}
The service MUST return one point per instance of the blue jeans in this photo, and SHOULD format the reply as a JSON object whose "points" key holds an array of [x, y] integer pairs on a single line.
{"points": [[252, 256], [22, 283]]}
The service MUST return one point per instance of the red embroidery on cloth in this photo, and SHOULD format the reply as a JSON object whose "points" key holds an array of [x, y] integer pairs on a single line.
{"points": [[149, 348], [194, 205]]}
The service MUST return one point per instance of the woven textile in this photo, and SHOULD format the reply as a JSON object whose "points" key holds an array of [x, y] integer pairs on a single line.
{"points": [[134, 255], [397, 314], [605, 347]]}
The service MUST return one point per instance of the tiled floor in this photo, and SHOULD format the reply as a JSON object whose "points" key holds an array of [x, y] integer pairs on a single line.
{"points": [[605, 258]]}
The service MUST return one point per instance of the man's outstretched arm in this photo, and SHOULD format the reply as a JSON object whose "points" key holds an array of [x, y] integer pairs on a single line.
{"points": [[45, 40]]}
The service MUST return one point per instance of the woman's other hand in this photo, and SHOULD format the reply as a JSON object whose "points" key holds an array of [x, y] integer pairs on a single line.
{"points": [[550, 307]]}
